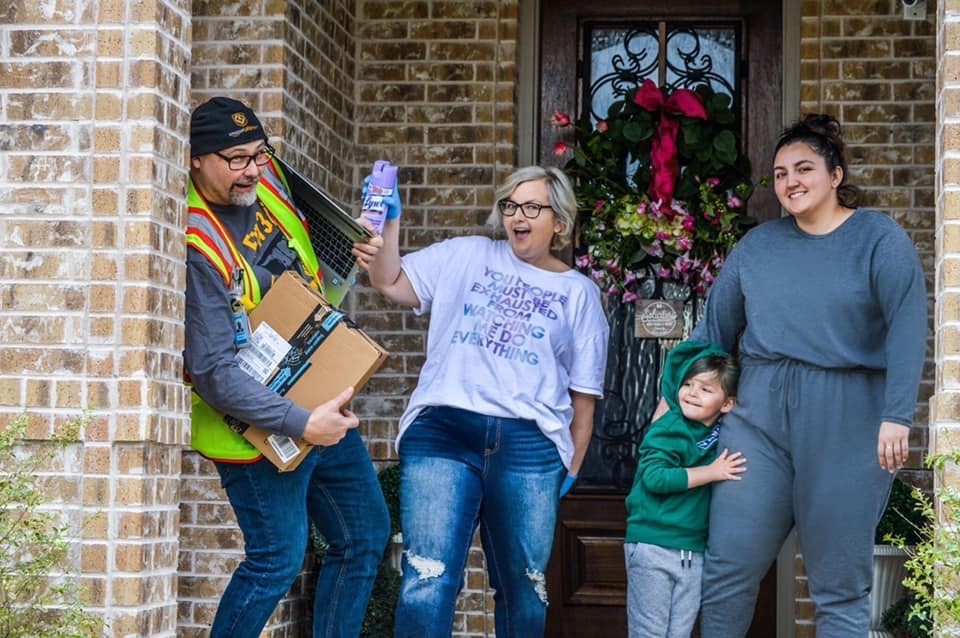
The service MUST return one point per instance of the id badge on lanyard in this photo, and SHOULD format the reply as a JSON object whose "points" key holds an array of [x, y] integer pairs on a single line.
{"points": [[241, 322]]}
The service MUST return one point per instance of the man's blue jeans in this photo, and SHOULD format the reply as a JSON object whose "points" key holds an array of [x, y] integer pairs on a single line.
{"points": [[337, 488], [458, 468]]}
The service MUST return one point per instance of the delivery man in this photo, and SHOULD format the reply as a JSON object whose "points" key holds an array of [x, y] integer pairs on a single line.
{"points": [[243, 232]]}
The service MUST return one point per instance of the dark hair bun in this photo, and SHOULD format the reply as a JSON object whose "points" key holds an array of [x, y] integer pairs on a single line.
{"points": [[825, 125]]}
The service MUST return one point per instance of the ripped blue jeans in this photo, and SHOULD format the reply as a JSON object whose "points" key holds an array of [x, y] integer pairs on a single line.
{"points": [[458, 469]]}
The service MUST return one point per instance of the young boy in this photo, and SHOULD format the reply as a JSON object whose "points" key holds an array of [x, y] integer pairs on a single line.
{"points": [[668, 506]]}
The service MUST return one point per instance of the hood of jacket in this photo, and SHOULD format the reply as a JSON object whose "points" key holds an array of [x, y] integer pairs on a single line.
{"points": [[678, 361]]}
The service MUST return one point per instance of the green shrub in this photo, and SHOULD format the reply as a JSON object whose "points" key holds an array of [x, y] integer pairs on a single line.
{"points": [[37, 596], [903, 622], [390, 484], [903, 518], [378, 623], [934, 561]]}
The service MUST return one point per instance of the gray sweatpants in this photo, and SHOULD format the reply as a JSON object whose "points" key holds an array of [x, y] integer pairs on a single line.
{"points": [[663, 590], [810, 437]]}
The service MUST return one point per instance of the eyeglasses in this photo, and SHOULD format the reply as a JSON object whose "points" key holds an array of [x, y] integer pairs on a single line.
{"points": [[530, 210], [240, 162]]}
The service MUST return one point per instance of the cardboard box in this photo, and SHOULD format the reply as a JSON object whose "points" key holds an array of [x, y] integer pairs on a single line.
{"points": [[302, 347]]}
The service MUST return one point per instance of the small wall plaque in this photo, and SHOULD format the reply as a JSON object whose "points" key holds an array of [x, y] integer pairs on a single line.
{"points": [[658, 319]]}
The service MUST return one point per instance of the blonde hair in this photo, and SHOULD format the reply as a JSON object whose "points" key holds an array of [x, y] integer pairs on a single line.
{"points": [[563, 200]]}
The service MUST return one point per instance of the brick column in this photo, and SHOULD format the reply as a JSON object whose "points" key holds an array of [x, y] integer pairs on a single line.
{"points": [[92, 177], [945, 405]]}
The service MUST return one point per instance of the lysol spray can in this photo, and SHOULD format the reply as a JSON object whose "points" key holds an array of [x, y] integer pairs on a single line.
{"points": [[383, 179]]}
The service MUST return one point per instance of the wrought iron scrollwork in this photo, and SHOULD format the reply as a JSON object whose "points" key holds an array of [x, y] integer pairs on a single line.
{"points": [[689, 59], [688, 66], [638, 60]]}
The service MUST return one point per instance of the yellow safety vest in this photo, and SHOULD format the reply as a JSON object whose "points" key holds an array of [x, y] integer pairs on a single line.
{"points": [[210, 433]]}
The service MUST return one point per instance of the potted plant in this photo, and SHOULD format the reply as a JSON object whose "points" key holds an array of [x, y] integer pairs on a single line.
{"points": [[901, 527]]}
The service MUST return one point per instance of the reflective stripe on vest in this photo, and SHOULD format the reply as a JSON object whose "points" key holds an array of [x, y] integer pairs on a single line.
{"points": [[207, 235], [210, 434]]}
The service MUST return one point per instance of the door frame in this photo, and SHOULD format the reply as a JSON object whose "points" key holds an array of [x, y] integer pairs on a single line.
{"points": [[528, 136]]}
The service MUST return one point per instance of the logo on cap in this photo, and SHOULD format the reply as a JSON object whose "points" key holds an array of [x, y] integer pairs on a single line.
{"points": [[240, 119]]}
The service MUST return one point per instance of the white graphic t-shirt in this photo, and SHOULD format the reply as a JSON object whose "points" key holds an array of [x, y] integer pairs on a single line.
{"points": [[506, 338]]}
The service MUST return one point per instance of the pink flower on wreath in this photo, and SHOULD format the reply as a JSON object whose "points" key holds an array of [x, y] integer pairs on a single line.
{"points": [[734, 202], [584, 261], [663, 235], [713, 182], [602, 126], [683, 264], [560, 119], [629, 278], [689, 223], [629, 296], [612, 290], [560, 149], [685, 243], [664, 273]]}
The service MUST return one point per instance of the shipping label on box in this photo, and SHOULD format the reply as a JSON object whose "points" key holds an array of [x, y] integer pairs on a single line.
{"points": [[307, 350]]}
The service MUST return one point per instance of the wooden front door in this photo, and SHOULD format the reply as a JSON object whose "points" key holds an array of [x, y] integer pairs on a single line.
{"points": [[736, 46]]}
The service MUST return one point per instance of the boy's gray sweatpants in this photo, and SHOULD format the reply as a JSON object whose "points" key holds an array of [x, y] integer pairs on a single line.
{"points": [[809, 435], [663, 590]]}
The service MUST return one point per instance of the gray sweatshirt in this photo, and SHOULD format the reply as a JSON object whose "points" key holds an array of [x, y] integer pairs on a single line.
{"points": [[853, 298]]}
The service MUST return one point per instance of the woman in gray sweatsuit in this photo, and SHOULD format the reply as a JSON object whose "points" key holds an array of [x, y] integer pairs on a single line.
{"points": [[828, 308]]}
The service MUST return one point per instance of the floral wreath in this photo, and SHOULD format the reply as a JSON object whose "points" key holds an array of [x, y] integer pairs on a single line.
{"points": [[661, 190]]}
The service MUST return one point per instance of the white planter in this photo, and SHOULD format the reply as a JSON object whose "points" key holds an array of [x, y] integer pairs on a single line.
{"points": [[888, 574]]}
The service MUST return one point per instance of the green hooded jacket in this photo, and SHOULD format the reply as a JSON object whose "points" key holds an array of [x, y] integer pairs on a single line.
{"points": [[660, 509]]}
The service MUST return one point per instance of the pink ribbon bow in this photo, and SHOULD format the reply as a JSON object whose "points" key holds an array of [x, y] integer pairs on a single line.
{"points": [[664, 163]]}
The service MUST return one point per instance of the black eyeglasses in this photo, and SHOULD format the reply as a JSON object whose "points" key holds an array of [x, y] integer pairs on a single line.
{"points": [[240, 162], [530, 210]]}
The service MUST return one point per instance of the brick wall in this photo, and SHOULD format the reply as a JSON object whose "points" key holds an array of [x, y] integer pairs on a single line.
{"points": [[862, 62], [91, 175]]}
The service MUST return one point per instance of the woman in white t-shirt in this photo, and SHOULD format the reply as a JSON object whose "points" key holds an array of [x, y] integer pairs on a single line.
{"points": [[498, 425]]}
